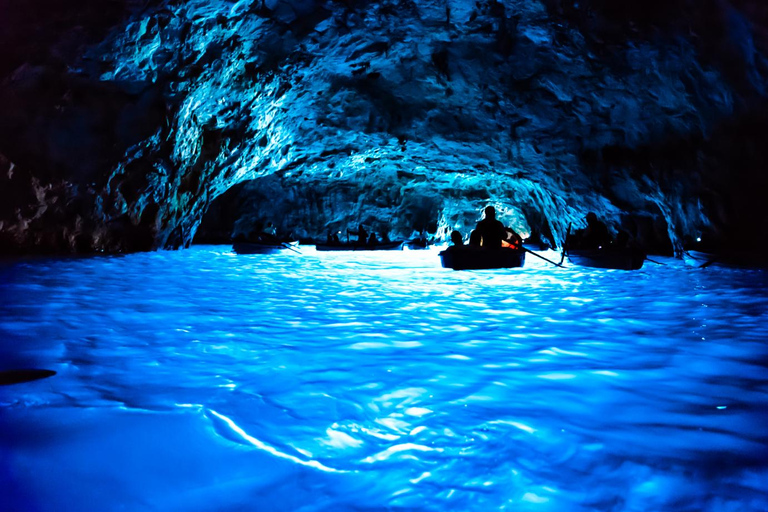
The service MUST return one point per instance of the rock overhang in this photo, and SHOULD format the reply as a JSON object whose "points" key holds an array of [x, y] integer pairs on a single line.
{"points": [[454, 104]]}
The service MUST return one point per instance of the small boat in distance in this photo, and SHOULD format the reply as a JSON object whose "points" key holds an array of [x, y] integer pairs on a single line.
{"points": [[469, 257], [726, 259], [608, 257], [594, 247], [264, 247], [381, 246], [416, 244]]}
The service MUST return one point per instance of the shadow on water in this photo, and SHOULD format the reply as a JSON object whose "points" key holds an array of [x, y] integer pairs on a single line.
{"points": [[8, 377]]}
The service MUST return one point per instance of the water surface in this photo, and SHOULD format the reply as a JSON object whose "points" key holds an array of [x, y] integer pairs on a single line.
{"points": [[203, 380]]}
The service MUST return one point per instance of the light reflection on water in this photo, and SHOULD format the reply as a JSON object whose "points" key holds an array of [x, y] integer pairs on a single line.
{"points": [[202, 380]]}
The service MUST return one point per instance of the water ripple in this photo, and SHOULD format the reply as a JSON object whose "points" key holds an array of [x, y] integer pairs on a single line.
{"points": [[376, 381]]}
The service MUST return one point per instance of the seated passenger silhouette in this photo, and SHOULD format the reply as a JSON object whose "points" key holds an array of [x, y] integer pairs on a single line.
{"points": [[512, 239], [490, 230], [421, 240], [362, 235], [372, 239], [264, 235], [595, 235], [457, 239], [475, 238]]}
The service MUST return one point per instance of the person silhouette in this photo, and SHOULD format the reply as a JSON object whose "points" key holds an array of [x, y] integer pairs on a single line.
{"points": [[512, 239], [362, 235], [595, 235], [332, 239], [490, 230]]}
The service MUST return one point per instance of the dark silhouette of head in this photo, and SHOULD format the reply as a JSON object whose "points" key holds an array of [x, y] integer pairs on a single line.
{"points": [[490, 212], [591, 218], [456, 238]]}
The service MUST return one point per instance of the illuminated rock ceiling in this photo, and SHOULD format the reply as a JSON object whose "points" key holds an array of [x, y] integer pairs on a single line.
{"points": [[122, 124]]}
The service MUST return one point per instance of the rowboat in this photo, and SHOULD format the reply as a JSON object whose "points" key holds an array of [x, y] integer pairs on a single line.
{"points": [[728, 259], [609, 257], [416, 244], [264, 247], [469, 257], [381, 246]]}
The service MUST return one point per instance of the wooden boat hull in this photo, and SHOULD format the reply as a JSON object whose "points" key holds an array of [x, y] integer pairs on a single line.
{"points": [[620, 259], [415, 245], [261, 248], [734, 259], [389, 246], [477, 258]]}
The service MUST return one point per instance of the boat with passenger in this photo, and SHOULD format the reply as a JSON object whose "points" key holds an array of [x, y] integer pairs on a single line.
{"points": [[491, 245], [594, 247], [416, 244]]}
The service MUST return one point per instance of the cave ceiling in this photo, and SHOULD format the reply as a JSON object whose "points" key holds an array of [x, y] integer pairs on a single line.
{"points": [[124, 123]]}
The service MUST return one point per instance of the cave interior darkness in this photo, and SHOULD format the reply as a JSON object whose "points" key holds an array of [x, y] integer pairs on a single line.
{"points": [[139, 125]]}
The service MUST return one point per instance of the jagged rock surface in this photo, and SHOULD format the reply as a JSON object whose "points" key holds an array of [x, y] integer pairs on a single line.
{"points": [[120, 131]]}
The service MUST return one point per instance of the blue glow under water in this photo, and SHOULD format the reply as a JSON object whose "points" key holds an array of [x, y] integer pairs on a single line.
{"points": [[202, 380]]}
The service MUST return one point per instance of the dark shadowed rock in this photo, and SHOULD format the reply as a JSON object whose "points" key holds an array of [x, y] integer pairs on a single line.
{"points": [[123, 122]]}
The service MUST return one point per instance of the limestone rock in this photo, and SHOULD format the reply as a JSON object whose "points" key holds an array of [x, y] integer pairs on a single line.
{"points": [[120, 130]]}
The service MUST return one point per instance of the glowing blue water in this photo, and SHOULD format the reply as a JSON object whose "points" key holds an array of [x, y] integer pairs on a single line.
{"points": [[201, 380]]}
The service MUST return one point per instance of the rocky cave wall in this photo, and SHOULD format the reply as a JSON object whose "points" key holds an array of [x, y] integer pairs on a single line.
{"points": [[123, 122]]}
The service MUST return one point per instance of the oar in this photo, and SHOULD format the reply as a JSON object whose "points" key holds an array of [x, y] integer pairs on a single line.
{"points": [[542, 257], [565, 242], [288, 246], [703, 265], [274, 239]]}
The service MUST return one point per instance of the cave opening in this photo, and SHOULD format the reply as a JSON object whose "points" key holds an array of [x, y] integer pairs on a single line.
{"points": [[387, 202]]}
